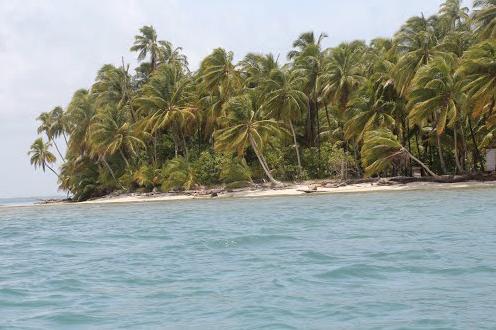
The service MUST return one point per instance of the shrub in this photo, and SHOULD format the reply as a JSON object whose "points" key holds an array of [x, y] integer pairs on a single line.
{"points": [[207, 169]]}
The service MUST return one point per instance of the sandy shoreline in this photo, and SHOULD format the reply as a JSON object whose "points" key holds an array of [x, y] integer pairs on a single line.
{"points": [[292, 190]]}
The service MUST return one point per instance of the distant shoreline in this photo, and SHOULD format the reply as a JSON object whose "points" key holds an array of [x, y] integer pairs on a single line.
{"points": [[308, 188]]}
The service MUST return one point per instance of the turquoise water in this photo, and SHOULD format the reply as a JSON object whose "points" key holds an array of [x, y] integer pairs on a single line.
{"points": [[412, 260]]}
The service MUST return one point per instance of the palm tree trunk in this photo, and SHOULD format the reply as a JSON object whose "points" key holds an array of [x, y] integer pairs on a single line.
{"points": [[262, 162], [104, 161], [477, 157], [420, 163], [296, 146], [65, 139], [457, 158], [440, 153], [125, 159], [464, 145], [58, 150], [328, 117], [51, 169]]}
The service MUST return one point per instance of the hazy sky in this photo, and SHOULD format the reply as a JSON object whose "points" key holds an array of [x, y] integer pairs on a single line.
{"points": [[50, 48]]}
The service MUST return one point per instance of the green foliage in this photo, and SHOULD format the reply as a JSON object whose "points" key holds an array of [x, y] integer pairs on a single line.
{"points": [[207, 169], [235, 173], [178, 174], [334, 162], [433, 84]]}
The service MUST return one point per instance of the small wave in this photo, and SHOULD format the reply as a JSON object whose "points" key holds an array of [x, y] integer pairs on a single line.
{"points": [[248, 240], [357, 271]]}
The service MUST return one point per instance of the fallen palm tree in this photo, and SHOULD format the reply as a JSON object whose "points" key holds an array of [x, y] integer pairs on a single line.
{"points": [[381, 149]]}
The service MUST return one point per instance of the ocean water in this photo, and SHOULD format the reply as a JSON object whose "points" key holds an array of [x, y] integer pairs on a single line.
{"points": [[403, 260]]}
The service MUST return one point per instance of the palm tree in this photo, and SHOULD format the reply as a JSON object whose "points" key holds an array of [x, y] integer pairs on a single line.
{"points": [[220, 79], [381, 149], [438, 98], [41, 155], [307, 57], [478, 67], [256, 68], [49, 126], [171, 55], [342, 75], [146, 44], [168, 102], [415, 42], [80, 112], [244, 126], [285, 101], [484, 16], [453, 15], [111, 133]]}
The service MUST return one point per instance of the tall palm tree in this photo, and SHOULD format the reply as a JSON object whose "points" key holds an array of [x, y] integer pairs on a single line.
{"points": [[145, 44], [41, 155], [308, 62], [484, 16], [245, 126], [381, 149], [286, 101], [437, 98]]}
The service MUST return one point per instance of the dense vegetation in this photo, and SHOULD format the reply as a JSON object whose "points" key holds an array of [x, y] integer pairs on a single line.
{"points": [[425, 97]]}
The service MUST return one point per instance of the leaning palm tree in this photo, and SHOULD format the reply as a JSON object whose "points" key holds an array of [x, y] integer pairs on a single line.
{"points": [[47, 126], [285, 101], [244, 126], [41, 155], [146, 44], [381, 149], [485, 18]]}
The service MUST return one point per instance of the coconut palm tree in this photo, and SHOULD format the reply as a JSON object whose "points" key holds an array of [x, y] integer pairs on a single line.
{"points": [[343, 73], [244, 125], [111, 134], [48, 126], [256, 68], [438, 98], [308, 62], [285, 101], [415, 42], [168, 102], [381, 149], [145, 44], [478, 67], [41, 155], [168, 54], [453, 15], [484, 16]]}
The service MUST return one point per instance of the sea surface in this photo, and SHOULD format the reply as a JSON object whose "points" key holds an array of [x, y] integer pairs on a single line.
{"points": [[402, 260]]}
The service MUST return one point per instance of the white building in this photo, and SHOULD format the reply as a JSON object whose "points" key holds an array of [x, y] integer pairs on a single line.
{"points": [[491, 160]]}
